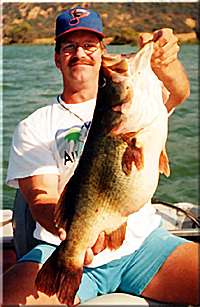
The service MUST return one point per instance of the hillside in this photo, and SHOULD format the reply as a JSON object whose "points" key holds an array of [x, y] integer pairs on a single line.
{"points": [[34, 22]]}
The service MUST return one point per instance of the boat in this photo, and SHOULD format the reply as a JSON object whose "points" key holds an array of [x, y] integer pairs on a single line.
{"points": [[179, 218]]}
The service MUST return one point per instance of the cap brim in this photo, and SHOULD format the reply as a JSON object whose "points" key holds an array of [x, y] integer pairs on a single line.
{"points": [[80, 28]]}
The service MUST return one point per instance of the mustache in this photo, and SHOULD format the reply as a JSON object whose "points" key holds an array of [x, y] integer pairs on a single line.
{"points": [[76, 60]]}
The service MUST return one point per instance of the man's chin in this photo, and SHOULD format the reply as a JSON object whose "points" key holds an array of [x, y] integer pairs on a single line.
{"points": [[81, 72], [82, 75]]}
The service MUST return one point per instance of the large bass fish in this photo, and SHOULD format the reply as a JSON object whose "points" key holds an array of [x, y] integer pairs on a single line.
{"points": [[118, 171]]}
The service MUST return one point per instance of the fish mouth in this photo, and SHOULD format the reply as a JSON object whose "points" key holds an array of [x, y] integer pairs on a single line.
{"points": [[123, 100], [121, 107]]}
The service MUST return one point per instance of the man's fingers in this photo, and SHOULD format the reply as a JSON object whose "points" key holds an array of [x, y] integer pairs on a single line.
{"points": [[169, 60], [97, 248], [166, 48], [163, 36], [62, 234], [173, 43], [157, 34], [90, 252], [88, 256], [100, 244], [163, 53], [144, 38]]}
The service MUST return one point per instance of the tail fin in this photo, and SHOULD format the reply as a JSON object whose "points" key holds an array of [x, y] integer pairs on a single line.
{"points": [[48, 278], [70, 280], [55, 278]]}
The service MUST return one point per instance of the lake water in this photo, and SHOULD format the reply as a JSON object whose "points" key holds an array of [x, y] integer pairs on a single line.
{"points": [[30, 80]]}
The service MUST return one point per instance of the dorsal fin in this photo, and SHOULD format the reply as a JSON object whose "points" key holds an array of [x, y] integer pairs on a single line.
{"points": [[164, 163]]}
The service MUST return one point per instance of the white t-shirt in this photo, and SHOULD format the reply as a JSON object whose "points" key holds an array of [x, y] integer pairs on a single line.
{"points": [[50, 141]]}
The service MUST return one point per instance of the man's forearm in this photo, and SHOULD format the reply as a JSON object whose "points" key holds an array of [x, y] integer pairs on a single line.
{"points": [[175, 80], [44, 215], [40, 192]]}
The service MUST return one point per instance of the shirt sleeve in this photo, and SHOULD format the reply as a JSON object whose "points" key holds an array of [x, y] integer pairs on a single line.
{"points": [[30, 154]]}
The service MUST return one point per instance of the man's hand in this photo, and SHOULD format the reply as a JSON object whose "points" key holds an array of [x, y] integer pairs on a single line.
{"points": [[97, 248], [166, 46], [167, 67]]}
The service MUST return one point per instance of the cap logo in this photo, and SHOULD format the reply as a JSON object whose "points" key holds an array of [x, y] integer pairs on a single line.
{"points": [[77, 13]]}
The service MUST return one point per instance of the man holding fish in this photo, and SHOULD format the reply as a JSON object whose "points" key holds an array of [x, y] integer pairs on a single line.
{"points": [[45, 152]]}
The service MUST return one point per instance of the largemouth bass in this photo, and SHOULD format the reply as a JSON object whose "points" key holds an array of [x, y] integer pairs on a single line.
{"points": [[118, 171]]}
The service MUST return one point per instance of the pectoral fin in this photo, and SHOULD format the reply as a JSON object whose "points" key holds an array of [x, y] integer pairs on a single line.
{"points": [[132, 154], [164, 163]]}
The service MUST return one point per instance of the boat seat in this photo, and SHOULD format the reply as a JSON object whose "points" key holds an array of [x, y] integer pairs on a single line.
{"points": [[122, 299], [23, 226]]}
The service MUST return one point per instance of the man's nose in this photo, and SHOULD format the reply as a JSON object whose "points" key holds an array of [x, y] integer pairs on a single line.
{"points": [[79, 51]]}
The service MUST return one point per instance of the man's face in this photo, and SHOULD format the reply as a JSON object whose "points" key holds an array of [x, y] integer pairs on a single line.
{"points": [[80, 57]]}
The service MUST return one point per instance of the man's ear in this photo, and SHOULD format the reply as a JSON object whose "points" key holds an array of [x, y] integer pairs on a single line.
{"points": [[57, 59]]}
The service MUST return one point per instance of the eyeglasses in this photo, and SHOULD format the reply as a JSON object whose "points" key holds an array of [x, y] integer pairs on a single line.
{"points": [[88, 47]]}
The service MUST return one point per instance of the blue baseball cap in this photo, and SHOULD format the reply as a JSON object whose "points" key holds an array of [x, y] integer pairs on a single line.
{"points": [[78, 18]]}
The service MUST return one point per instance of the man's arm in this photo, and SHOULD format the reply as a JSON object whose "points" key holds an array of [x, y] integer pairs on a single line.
{"points": [[166, 65], [42, 195]]}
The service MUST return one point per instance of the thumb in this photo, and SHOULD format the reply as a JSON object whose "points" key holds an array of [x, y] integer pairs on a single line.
{"points": [[145, 38], [62, 234], [88, 256]]}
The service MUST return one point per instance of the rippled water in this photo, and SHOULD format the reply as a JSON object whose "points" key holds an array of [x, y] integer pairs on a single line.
{"points": [[30, 80]]}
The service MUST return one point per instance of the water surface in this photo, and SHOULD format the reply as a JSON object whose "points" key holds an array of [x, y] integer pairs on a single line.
{"points": [[30, 80]]}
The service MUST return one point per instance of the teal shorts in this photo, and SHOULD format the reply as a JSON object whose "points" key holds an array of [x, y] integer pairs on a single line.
{"points": [[130, 274]]}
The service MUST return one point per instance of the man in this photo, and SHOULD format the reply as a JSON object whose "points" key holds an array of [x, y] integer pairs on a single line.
{"points": [[43, 158]]}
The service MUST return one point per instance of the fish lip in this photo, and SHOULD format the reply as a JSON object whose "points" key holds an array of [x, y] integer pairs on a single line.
{"points": [[126, 100]]}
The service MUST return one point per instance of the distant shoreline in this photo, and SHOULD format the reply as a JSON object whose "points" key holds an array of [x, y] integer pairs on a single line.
{"points": [[123, 22], [184, 38]]}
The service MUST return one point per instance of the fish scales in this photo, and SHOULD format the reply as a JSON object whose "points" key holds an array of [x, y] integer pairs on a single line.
{"points": [[117, 173]]}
